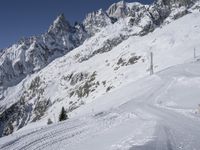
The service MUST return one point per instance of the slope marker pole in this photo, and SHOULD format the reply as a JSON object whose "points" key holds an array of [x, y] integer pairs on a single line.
{"points": [[151, 64], [194, 53]]}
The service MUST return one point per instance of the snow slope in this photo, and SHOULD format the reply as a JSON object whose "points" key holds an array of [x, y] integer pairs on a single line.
{"points": [[135, 116]]}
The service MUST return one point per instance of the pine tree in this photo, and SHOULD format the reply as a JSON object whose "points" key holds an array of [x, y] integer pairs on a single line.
{"points": [[49, 121], [63, 115]]}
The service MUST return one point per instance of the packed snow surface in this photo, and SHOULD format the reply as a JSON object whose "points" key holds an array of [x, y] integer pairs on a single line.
{"points": [[137, 116]]}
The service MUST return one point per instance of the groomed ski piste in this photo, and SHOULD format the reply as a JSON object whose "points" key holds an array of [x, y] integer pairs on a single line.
{"points": [[158, 112], [153, 113]]}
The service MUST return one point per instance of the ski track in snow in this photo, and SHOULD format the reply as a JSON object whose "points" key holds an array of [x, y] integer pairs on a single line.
{"points": [[174, 131], [141, 123]]}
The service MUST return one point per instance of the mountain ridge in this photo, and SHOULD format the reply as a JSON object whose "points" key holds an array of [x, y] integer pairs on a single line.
{"points": [[54, 44], [34, 61]]}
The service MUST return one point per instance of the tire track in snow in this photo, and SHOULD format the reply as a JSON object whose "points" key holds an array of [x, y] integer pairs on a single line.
{"points": [[68, 132], [44, 133]]}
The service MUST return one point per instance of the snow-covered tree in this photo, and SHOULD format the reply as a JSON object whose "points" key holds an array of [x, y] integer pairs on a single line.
{"points": [[63, 115], [49, 121]]}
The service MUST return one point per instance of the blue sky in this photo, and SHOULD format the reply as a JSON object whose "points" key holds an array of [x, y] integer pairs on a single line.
{"points": [[24, 18]]}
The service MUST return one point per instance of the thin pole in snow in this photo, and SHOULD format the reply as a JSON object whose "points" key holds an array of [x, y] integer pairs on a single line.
{"points": [[54, 118], [151, 64], [194, 53]]}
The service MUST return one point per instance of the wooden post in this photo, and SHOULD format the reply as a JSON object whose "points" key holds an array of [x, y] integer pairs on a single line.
{"points": [[151, 64]]}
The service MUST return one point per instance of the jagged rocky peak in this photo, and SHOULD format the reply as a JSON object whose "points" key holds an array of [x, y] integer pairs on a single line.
{"points": [[60, 24], [95, 21], [62, 36], [177, 3], [123, 9], [118, 10], [67, 33], [32, 54]]}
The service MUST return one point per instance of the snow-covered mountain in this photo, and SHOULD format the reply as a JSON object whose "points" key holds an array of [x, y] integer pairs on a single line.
{"points": [[32, 54], [71, 66]]}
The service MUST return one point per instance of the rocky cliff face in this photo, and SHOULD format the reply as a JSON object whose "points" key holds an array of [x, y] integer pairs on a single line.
{"points": [[100, 32], [32, 54], [95, 21], [176, 3], [118, 10]]}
